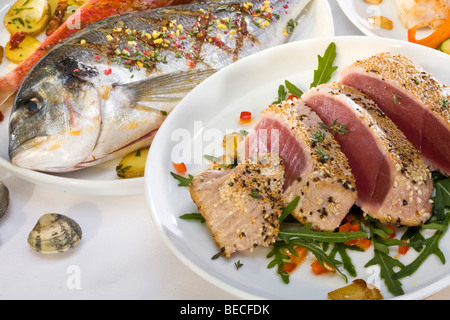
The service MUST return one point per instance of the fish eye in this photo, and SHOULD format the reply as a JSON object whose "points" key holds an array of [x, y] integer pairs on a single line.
{"points": [[32, 106]]}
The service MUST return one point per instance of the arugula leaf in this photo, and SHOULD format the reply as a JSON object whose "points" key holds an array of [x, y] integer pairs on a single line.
{"points": [[292, 88], [320, 255], [431, 247], [387, 264], [325, 66], [307, 233], [183, 181], [289, 208], [279, 255], [282, 94], [442, 199], [346, 260]]}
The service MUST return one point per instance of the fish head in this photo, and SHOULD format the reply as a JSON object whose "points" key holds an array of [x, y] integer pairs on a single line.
{"points": [[55, 121]]}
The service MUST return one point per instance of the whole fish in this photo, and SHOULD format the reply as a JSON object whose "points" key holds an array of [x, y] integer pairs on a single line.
{"points": [[90, 12], [106, 90]]}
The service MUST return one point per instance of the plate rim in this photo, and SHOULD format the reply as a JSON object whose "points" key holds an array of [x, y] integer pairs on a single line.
{"points": [[421, 293]]}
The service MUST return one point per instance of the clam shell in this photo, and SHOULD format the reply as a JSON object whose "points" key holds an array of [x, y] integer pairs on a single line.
{"points": [[4, 199], [54, 233]]}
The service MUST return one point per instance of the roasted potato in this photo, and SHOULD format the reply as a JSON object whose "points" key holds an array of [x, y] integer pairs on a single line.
{"points": [[30, 16], [133, 164], [25, 48], [357, 290]]}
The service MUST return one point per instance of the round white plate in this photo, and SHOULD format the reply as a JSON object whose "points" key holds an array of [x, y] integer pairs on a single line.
{"points": [[358, 11], [102, 179], [196, 128]]}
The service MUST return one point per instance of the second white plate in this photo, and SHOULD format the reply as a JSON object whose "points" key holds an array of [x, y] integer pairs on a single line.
{"points": [[357, 11], [196, 128]]}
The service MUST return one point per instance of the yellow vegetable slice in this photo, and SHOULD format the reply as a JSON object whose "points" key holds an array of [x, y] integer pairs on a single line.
{"points": [[24, 50], [357, 290], [30, 16], [133, 164]]}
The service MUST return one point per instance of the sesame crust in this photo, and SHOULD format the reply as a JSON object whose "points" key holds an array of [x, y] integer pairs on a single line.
{"points": [[326, 185], [413, 78], [408, 201], [243, 211]]}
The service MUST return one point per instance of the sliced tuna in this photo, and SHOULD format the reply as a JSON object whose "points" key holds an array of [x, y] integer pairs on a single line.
{"points": [[315, 168], [241, 206], [393, 182], [416, 101]]}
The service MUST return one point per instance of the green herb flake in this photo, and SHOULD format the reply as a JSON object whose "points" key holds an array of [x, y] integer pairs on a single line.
{"points": [[290, 27], [193, 216], [238, 264], [444, 103]]}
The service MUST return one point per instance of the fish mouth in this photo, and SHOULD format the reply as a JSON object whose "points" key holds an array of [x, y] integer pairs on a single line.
{"points": [[19, 155]]}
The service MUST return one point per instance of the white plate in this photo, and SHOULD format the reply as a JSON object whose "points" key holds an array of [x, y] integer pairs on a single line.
{"points": [[211, 110], [358, 11], [102, 179]]}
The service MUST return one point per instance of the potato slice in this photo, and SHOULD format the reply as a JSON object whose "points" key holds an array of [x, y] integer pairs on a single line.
{"points": [[30, 16], [28, 45], [72, 7], [133, 164], [357, 290]]}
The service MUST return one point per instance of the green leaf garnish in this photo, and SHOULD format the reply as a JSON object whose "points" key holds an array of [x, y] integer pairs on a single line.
{"points": [[325, 66], [293, 89], [183, 181]]}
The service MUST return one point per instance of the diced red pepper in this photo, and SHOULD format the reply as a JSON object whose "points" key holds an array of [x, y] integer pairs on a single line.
{"points": [[245, 117], [317, 268], [353, 225], [289, 267], [291, 97], [403, 249], [295, 261], [179, 167], [392, 234], [363, 243]]}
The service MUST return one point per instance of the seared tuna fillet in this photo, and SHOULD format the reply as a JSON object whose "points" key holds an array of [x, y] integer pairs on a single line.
{"points": [[315, 168], [241, 206], [416, 101], [393, 182]]}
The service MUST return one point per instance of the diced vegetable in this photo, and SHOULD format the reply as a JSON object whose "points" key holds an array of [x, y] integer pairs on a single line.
{"points": [[133, 164], [318, 269], [245, 117], [357, 290], [295, 260], [179, 167], [403, 249], [30, 16], [445, 46], [230, 143], [23, 50], [380, 22], [435, 39]]}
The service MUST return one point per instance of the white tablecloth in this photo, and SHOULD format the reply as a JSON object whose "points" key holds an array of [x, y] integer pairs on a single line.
{"points": [[121, 256]]}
